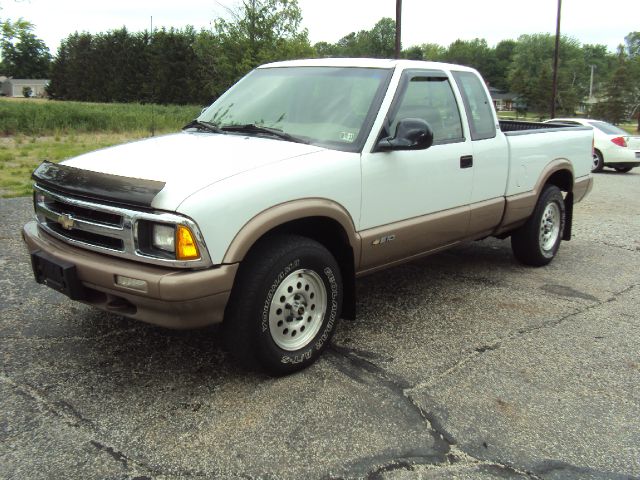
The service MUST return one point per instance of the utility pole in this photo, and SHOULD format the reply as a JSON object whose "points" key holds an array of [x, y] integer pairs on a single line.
{"points": [[153, 90], [554, 86], [591, 83], [398, 26]]}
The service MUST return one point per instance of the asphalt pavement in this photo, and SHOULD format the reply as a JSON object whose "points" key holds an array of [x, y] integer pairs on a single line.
{"points": [[462, 365]]}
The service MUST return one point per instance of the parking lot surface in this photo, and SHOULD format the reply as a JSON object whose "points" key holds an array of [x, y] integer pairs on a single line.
{"points": [[462, 365]]}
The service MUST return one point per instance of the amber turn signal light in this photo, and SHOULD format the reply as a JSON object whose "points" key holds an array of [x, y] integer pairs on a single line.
{"points": [[186, 248]]}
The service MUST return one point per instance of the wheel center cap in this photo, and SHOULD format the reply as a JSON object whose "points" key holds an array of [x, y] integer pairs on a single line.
{"points": [[298, 308]]}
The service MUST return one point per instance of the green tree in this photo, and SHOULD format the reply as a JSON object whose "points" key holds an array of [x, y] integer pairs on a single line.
{"points": [[503, 54], [473, 53], [617, 99], [433, 52], [260, 31], [325, 50], [379, 42], [23, 54], [531, 72], [413, 53], [632, 42]]}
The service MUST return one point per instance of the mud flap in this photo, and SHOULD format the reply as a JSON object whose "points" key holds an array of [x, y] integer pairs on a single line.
{"points": [[568, 216]]}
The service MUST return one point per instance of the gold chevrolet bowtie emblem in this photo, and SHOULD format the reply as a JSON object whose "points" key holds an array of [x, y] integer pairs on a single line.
{"points": [[66, 221]]}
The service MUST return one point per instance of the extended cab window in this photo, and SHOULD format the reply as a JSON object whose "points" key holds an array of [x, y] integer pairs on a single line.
{"points": [[477, 104], [431, 99]]}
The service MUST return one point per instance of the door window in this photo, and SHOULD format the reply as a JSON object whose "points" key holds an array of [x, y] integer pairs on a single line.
{"points": [[430, 99]]}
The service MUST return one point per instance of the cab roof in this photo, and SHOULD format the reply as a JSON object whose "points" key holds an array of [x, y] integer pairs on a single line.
{"points": [[367, 63]]}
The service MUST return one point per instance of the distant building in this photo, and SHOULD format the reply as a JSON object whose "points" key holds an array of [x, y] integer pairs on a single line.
{"points": [[13, 87], [504, 101]]}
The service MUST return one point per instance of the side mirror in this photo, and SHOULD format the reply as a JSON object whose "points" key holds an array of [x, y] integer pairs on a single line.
{"points": [[411, 134]]}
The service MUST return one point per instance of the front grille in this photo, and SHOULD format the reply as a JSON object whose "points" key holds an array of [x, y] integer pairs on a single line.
{"points": [[81, 213], [106, 228], [88, 237], [75, 221]]}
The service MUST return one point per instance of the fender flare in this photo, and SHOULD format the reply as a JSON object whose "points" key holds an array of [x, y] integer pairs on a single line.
{"points": [[520, 206], [283, 213]]}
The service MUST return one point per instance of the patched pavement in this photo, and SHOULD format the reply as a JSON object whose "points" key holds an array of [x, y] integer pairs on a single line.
{"points": [[461, 365]]}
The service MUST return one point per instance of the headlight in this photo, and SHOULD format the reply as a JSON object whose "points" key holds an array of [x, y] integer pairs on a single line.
{"points": [[170, 241], [164, 237]]}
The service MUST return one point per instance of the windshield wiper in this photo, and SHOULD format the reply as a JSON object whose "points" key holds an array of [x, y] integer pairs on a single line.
{"points": [[201, 125], [253, 128]]}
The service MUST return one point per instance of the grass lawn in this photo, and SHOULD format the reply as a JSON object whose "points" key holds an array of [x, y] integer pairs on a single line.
{"points": [[39, 117], [33, 130], [20, 155]]}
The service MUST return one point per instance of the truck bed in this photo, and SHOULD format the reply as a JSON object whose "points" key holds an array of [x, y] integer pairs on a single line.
{"points": [[518, 127], [529, 154]]}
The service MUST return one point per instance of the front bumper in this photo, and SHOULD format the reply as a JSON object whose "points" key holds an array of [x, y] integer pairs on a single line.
{"points": [[173, 298]]}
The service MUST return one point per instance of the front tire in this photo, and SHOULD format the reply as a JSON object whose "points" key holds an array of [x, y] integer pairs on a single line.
{"points": [[537, 241], [285, 305], [598, 162]]}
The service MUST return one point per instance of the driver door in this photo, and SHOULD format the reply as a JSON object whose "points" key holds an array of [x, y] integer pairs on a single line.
{"points": [[415, 201]]}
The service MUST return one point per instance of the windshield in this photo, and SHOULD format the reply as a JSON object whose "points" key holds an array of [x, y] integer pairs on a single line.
{"points": [[608, 128], [328, 106]]}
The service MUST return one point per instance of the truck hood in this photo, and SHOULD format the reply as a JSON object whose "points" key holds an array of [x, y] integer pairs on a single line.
{"points": [[189, 161]]}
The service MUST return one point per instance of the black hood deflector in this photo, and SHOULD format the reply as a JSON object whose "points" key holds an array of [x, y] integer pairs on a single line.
{"points": [[97, 186]]}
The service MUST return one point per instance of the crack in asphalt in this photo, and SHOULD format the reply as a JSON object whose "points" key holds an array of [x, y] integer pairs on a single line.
{"points": [[363, 362], [135, 468], [73, 338], [518, 333], [69, 415], [358, 369], [549, 466], [621, 247]]}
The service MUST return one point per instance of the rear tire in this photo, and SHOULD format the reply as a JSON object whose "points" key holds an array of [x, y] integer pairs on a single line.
{"points": [[623, 169], [537, 241], [284, 306], [598, 162]]}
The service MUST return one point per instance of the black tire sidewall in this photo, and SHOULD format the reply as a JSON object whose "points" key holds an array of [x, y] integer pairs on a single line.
{"points": [[266, 270], [327, 270], [525, 241], [550, 195], [600, 166]]}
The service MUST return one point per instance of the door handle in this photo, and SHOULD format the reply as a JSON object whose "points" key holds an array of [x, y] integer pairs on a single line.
{"points": [[466, 161]]}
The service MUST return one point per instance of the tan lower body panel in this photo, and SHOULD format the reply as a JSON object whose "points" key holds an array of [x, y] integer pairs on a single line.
{"points": [[173, 298], [517, 209], [403, 241], [581, 188]]}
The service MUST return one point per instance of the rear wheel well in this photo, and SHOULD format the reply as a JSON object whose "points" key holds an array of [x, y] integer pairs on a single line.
{"points": [[563, 179], [332, 236]]}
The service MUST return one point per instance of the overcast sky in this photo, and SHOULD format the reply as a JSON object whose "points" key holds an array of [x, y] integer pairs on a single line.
{"points": [[424, 21]]}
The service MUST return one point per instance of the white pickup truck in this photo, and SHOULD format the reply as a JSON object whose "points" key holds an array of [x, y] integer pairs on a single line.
{"points": [[300, 178]]}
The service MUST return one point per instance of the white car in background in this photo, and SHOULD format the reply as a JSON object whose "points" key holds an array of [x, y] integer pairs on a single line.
{"points": [[612, 146]]}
